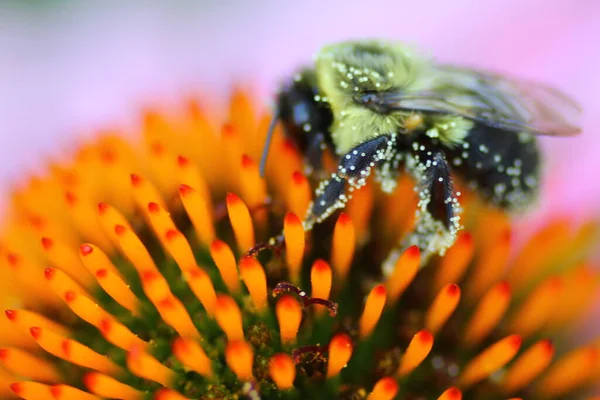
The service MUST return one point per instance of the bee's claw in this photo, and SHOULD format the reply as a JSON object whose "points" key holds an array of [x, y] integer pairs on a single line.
{"points": [[275, 243]]}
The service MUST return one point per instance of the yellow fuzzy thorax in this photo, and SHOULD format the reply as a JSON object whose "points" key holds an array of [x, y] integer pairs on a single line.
{"points": [[347, 70]]}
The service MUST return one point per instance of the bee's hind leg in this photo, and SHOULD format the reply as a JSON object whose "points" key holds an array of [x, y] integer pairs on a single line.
{"points": [[353, 169], [437, 220]]}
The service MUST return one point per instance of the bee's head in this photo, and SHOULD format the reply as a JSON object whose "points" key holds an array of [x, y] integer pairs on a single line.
{"points": [[348, 70], [351, 75]]}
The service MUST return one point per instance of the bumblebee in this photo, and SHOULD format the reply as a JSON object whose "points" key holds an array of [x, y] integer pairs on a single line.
{"points": [[383, 108]]}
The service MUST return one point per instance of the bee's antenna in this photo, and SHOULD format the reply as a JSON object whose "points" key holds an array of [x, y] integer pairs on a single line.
{"points": [[263, 159]]}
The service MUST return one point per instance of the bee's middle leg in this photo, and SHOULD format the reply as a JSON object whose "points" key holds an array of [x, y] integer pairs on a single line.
{"points": [[437, 219]]}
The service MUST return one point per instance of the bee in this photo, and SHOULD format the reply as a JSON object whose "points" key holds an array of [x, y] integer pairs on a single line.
{"points": [[384, 109]]}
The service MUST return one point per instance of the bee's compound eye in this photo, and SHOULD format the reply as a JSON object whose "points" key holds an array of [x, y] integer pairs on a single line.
{"points": [[369, 98]]}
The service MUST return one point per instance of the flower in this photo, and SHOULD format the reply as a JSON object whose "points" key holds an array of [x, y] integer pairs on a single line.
{"points": [[146, 271]]}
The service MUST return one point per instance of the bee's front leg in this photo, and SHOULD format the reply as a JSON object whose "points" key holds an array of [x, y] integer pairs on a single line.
{"points": [[353, 169]]}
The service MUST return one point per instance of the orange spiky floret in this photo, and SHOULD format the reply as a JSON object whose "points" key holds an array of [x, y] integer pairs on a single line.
{"points": [[373, 309], [142, 295]]}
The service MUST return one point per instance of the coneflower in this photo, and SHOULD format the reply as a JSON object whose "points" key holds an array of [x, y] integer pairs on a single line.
{"points": [[135, 271]]}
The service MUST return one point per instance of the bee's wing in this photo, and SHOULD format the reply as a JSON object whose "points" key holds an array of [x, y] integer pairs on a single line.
{"points": [[493, 100]]}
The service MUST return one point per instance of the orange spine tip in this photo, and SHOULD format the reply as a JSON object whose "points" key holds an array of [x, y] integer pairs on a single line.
{"points": [[86, 249], [253, 187], [190, 178], [225, 260], [340, 351], [372, 311], [134, 249], [47, 243], [344, 243], [454, 264], [118, 334], [117, 289], [203, 288], [490, 360], [182, 161], [200, 213], [283, 371], [488, 313], [72, 351], [528, 366], [32, 391], [241, 222], [107, 386], [60, 255], [145, 192], [25, 319], [255, 279], [162, 225], [62, 284], [21, 363], [538, 307], [168, 394], [102, 208], [451, 394], [229, 317], [385, 389], [155, 286], [191, 354], [85, 308], [418, 348], [145, 366], [240, 358], [107, 276], [232, 149], [173, 312], [136, 180], [442, 307], [119, 230], [70, 198], [404, 272], [299, 194], [24, 274], [153, 207], [293, 233], [109, 219], [180, 249], [490, 265], [94, 258], [185, 190], [572, 371], [320, 279], [84, 219], [66, 392], [289, 315]]}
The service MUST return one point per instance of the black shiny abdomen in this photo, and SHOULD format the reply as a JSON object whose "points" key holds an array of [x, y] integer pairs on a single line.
{"points": [[502, 166], [303, 117]]}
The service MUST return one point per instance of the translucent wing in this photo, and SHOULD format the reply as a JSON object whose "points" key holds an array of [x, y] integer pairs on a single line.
{"points": [[493, 100]]}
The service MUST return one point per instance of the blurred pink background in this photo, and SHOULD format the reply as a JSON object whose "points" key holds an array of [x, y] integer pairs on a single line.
{"points": [[67, 68]]}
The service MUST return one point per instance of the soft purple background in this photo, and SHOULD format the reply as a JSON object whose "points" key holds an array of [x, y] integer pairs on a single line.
{"points": [[69, 67]]}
